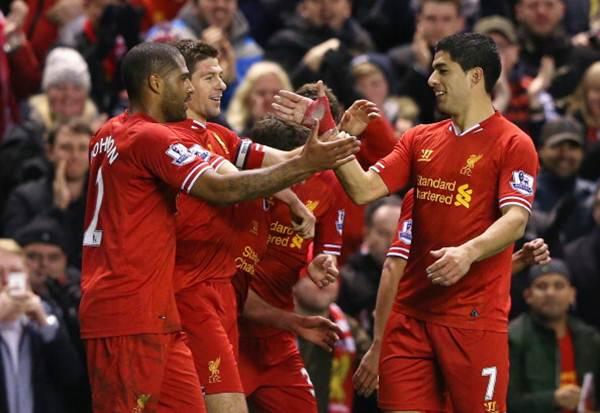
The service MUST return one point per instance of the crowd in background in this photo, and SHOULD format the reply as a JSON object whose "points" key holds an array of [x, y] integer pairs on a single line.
{"points": [[59, 80]]}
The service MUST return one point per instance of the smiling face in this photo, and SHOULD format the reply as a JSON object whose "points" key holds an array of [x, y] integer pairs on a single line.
{"points": [[207, 80], [450, 83], [177, 92]]}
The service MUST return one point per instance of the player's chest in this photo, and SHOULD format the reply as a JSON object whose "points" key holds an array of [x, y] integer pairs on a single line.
{"points": [[459, 160]]}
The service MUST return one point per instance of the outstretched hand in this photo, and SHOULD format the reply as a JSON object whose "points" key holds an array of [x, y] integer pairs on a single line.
{"points": [[358, 116], [317, 330], [322, 152]]}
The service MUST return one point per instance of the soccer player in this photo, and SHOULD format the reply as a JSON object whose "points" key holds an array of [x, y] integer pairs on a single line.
{"points": [[474, 179], [205, 266], [271, 367], [137, 359], [366, 376]]}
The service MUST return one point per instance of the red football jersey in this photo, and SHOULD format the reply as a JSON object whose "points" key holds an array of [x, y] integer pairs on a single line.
{"points": [[136, 166], [400, 247], [205, 231], [461, 181], [278, 270], [251, 219]]}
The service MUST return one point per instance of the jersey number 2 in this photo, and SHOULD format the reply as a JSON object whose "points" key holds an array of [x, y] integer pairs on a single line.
{"points": [[92, 237]]}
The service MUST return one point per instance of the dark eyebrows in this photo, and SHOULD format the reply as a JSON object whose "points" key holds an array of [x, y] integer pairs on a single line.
{"points": [[438, 66]]}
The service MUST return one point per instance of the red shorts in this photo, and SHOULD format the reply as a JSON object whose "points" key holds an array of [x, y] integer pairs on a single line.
{"points": [[208, 313], [274, 375], [423, 365], [143, 373]]}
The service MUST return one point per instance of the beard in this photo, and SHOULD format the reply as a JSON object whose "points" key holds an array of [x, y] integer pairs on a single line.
{"points": [[173, 107]]}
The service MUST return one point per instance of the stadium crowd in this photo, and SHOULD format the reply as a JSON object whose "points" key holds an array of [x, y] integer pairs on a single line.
{"points": [[60, 81]]}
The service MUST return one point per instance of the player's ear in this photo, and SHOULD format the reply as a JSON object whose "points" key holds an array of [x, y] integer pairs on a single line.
{"points": [[155, 83], [476, 75]]}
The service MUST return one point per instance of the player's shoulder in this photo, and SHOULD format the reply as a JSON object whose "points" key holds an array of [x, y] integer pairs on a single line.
{"points": [[507, 132], [428, 130], [325, 177], [222, 131]]}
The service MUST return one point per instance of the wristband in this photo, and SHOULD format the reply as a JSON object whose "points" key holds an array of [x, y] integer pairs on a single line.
{"points": [[319, 109]]}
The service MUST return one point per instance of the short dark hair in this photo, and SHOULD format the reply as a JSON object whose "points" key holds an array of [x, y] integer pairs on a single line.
{"points": [[144, 60], [471, 50], [279, 134], [74, 125], [392, 200], [195, 51], [456, 3], [310, 90]]}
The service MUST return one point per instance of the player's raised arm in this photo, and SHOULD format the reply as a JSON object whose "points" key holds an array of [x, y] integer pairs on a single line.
{"points": [[317, 155]]}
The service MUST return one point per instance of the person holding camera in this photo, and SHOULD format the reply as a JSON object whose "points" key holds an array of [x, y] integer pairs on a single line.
{"points": [[40, 367]]}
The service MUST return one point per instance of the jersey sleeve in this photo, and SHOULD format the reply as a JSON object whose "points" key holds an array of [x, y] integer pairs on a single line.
{"points": [[518, 173], [174, 160], [400, 247], [377, 140], [248, 155], [330, 226], [395, 168]]}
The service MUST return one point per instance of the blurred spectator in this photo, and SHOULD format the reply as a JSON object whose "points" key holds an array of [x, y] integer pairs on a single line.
{"points": [[584, 105], [523, 99], [19, 68], [583, 258], [60, 196], [221, 24], [319, 42], [330, 372], [252, 99], [40, 367], [44, 245], [110, 29], [553, 355], [66, 87], [390, 23], [542, 35], [52, 22], [563, 201], [435, 19], [360, 276]]}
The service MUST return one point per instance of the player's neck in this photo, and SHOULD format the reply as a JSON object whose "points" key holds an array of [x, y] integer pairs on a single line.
{"points": [[149, 109], [477, 111], [191, 114]]}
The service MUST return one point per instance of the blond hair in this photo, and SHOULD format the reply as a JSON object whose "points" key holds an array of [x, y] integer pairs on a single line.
{"points": [[576, 103], [239, 113], [11, 246]]}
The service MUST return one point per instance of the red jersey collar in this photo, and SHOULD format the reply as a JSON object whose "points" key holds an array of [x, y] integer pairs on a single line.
{"points": [[478, 127]]}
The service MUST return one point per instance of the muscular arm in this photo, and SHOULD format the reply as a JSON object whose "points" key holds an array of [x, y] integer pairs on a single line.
{"points": [[274, 156], [250, 184], [362, 187]]}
